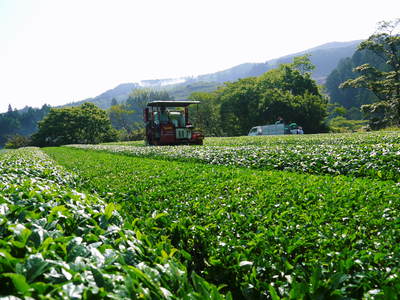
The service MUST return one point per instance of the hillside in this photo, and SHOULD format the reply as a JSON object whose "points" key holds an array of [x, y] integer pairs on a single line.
{"points": [[325, 57], [120, 93]]}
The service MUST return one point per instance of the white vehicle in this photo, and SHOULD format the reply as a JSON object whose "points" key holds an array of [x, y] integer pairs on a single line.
{"points": [[276, 129]]}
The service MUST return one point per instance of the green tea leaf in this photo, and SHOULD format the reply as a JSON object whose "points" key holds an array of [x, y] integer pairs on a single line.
{"points": [[19, 282]]}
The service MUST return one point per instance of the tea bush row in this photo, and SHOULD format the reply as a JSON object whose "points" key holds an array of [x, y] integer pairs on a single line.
{"points": [[370, 160], [260, 233], [359, 138], [56, 242]]}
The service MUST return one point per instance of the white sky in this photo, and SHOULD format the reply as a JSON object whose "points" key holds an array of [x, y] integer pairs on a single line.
{"points": [[58, 51]]}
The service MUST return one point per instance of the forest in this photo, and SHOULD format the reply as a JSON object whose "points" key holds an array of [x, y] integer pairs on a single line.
{"points": [[287, 92], [20, 123]]}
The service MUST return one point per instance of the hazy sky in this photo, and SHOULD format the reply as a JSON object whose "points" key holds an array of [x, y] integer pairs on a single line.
{"points": [[58, 51]]}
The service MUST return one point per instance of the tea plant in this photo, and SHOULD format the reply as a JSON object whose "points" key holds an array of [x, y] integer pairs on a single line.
{"points": [[56, 242], [371, 160], [359, 138], [262, 234]]}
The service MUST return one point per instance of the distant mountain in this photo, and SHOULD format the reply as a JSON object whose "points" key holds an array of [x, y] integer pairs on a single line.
{"points": [[333, 45], [120, 93], [232, 74], [325, 58]]}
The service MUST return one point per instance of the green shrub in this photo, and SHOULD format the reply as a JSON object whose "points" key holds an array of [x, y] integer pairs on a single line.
{"points": [[18, 141], [341, 124]]}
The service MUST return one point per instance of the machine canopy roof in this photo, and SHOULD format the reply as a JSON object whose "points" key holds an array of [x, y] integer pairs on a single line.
{"points": [[170, 103]]}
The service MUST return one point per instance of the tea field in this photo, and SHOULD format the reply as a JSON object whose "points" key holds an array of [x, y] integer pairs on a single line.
{"points": [[360, 138], [341, 154], [291, 217], [58, 243]]}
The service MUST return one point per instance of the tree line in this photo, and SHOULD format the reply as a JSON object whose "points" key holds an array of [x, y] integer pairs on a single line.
{"points": [[287, 92], [126, 117], [20, 123]]}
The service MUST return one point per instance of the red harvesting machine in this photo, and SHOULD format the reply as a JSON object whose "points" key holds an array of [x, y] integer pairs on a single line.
{"points": [[167, 123]]}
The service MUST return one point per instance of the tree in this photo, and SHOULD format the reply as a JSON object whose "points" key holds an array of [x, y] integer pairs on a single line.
{"points": [[303, 64], [139, 98], [83, 124], [131, 113], [239, 105], [350, 97], [307, 110], [383, 82], [114, 102], [121, 117], [23, 122], [283, 92], [341, 124], [287, 77], [377, 114], [206, 115], [17, 141]]}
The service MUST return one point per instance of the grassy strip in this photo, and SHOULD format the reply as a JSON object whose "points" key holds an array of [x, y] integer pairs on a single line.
{"points": [[58, 243], [259, 232]]}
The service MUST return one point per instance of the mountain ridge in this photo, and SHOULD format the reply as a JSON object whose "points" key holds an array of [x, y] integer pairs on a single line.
{"points": [[325, 57]]}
